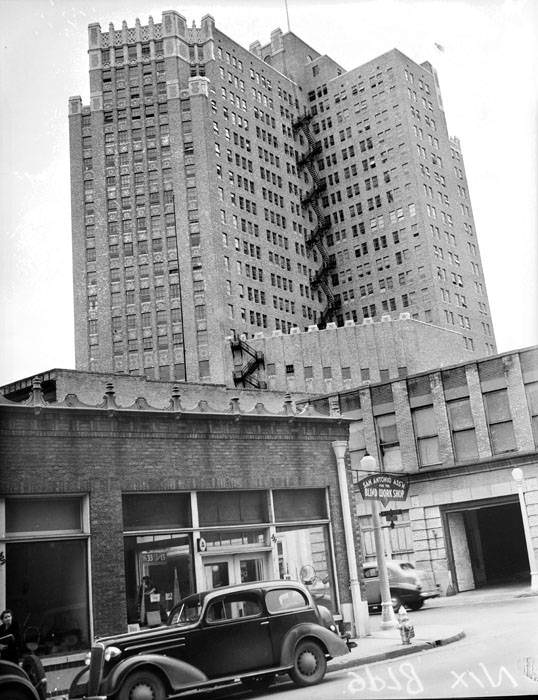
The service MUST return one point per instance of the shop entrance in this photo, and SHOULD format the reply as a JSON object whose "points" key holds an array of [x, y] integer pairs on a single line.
{"points": [[487, 544], [234, 568]]}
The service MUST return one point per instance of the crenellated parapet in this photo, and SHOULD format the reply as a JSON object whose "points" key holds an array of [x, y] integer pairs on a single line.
{"points": [[171, 37]]}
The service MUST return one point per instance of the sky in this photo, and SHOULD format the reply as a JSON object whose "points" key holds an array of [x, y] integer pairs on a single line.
{"points": [[488, 71]]}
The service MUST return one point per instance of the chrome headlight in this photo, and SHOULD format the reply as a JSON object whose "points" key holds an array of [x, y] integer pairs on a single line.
{"points": [[111, 653]]}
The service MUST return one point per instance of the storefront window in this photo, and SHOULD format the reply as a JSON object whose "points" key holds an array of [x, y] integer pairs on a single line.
{"points": [[47, 578], [304, 555], [159, 572], [301, 504], [234, 538], [156, 511], [232, 507], [47, 589]]}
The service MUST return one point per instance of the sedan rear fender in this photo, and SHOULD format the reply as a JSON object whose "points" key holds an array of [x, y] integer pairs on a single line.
{"points": [[174, 672], [329, 641], [13, 683]]}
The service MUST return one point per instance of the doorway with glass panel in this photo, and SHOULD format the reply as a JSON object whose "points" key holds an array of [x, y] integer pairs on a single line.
{"points": [[227, 570]]}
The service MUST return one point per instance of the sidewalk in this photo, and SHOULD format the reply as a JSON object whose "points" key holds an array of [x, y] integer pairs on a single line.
{"points": [[488, 594], [387, 644]]}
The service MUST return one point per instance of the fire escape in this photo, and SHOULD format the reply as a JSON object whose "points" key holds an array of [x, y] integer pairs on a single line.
{"points": [[243, 374], [315, 240]]}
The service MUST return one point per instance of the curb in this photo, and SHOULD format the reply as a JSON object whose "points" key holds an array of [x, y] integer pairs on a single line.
{"points": [[351, 663], [394, 653]]}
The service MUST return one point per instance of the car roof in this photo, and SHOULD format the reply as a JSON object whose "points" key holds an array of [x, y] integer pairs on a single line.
{"points": [[389, 562], [240, 587]]}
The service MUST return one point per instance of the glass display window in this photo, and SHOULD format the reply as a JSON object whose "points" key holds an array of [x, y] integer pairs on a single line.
{"points": [[46, 572], [304, 555], [159, 572]]}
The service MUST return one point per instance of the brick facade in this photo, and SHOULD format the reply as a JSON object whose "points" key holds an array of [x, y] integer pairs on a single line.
{"points": [[452, 498], [353, 354], [192, 218], [104, 452]]}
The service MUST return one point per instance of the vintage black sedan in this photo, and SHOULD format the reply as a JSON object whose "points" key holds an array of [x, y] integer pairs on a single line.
{"points": [[23, 683], [250, 633]]}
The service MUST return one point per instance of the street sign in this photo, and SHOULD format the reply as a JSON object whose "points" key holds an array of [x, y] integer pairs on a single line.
{"points": [[384, 487], [391, 516]]}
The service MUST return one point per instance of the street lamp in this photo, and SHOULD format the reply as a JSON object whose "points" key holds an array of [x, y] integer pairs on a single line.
{"points": [[388, 620], [517, 476]]}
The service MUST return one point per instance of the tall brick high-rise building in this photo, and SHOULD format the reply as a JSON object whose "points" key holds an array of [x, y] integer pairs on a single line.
{"points": [[220, 190]]}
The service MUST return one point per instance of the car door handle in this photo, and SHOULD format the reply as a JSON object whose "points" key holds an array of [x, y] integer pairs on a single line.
{"points": [[264, 623]]}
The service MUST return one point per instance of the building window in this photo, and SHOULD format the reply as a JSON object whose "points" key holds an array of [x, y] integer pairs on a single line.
{"points": [[398, 540], [203, 368], [357, 447], [290, 369], [327, 372], [165, 558], [426, 436], [529, 371], [499, 419], [304, 550], [389, 443], [46, 570], [463, 430], [531, 390]]}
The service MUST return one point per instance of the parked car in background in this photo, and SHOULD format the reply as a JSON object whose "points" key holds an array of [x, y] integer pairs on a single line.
{"points": [[16, 683], [250, 632], [408, 586]]}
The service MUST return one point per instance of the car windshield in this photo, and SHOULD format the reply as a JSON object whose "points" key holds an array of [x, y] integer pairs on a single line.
{"points": [[186, 612], [406, 566]]}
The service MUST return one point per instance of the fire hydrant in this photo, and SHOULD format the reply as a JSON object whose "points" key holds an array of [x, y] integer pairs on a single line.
{"points": [[407, 631]]}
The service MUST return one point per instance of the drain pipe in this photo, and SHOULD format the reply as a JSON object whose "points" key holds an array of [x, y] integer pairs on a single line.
{"points": [[360, 607]]}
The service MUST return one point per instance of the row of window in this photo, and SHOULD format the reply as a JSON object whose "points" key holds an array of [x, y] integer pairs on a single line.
{"points": [[460, 412]]}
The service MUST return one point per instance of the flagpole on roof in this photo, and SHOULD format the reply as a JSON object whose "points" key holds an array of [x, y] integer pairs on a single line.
{"points": [[287, 15]]}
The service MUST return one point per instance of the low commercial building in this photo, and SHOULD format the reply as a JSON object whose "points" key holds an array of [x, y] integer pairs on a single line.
{"points": [[457, 433], [95, 496], [340, 358]]}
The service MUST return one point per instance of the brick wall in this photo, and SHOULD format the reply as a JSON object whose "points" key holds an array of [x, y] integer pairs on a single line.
{"points": [[102, 453]]}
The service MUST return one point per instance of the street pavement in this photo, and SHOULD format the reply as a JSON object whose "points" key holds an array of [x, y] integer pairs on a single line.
{"points": [[441, 622], [498, 657]]}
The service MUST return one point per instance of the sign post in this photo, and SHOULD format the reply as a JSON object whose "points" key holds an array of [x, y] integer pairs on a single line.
{"points": [[384, 487]]}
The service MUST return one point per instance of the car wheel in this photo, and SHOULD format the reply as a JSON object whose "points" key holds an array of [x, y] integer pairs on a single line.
{"points": [[309, 665], [13, 692], [416, 605], [258, 682], [142, 685]]}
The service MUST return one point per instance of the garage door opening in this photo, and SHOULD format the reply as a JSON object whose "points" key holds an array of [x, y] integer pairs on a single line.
{"points": [[503, 544], [488, 545]]}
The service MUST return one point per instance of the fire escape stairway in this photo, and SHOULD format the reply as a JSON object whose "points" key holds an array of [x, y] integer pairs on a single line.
{"points": [[244, 376], [311, 199]]}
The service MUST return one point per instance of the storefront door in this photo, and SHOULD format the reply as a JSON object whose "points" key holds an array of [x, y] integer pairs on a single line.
{"points": [[234, 568]]}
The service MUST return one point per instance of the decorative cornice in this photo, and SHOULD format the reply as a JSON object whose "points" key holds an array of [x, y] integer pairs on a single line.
{"points": [[110, 404]]}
